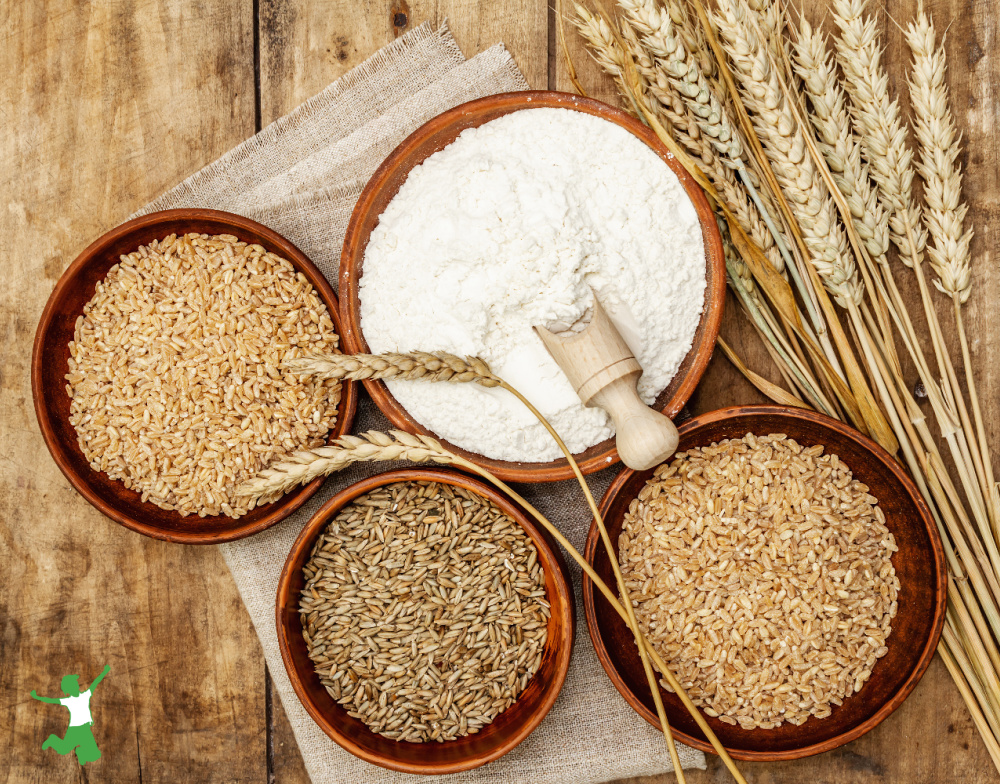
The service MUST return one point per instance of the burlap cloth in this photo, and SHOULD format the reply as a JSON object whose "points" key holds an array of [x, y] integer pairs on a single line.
{"points": [[301, 176]]}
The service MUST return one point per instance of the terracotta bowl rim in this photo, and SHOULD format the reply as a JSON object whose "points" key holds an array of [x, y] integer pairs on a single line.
{"points": [[299, 553], [929, 647], [227, 223], [603, 454]]}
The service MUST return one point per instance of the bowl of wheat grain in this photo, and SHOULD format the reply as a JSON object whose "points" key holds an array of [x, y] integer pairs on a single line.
{"points": [[158, 372], [786, 570], [425, 621]]}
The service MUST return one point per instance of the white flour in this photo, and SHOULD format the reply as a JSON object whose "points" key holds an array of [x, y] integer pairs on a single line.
{"points": [[511, 226]]}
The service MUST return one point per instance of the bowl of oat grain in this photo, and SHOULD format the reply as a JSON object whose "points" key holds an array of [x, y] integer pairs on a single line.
{"points": [[425, 621], [786, 569], [157, 372]]}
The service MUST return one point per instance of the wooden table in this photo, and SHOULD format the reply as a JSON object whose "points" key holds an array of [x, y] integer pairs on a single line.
{"points": [[107, 104]]}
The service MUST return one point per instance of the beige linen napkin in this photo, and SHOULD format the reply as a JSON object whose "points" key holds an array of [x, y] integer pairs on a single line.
{"points": [[301, 176]]}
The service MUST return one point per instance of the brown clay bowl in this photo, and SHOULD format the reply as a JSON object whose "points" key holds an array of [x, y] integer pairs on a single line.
{"points": [[438, 133], [50, 358], [919, 565], [490, 743]]}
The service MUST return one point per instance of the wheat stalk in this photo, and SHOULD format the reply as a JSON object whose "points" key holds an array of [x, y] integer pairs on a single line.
{"points": [[948, 254], [885, 144], [415, 366], [840, 146], [853, 144], [785, 145]]}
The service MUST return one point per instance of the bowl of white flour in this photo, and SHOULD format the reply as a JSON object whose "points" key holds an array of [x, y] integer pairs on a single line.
{"points": [[514, 211]]}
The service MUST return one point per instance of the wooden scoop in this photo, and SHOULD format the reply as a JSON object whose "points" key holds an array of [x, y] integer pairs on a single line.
{"points": [[604, 372]]}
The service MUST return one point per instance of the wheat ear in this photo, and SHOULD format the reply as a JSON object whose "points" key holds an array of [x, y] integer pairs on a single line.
{"points": [[883, 138], [785, 146], [656, 30], [840, 147], [938, 163], [415, 366], [945, 215], [304, 466], [693, 36], [661, 100], [610, 57]]}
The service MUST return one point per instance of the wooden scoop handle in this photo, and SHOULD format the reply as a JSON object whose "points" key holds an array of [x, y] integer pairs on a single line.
{"points": [[604, 372], [644, 437]]}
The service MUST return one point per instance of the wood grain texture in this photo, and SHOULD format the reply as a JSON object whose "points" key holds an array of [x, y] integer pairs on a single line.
{"points": [[105, 105], [108, 104], [306, 44]]}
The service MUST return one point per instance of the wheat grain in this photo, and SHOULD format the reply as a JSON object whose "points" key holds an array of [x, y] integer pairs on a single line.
{"points": [[424, 611], [938, 164], [175, 370], [837, 141], [883, 138], [761, 571], [784, 143]]}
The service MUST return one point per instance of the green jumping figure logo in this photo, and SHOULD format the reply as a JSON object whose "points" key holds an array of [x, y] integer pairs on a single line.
{"points": [[79, 736]]}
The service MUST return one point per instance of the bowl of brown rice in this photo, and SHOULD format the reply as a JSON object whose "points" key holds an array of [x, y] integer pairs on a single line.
{"points": [[158, 378], [425, 621], [786, 569]]}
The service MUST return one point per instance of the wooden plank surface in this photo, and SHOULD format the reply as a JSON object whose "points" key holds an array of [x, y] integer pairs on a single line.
{"points": [[108, 104], [104, 106]]}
